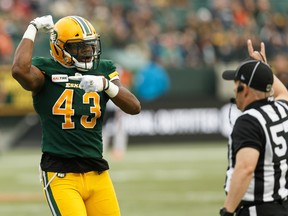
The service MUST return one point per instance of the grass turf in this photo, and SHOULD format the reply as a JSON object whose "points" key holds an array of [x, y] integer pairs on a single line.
{"points": [[155, 180]]}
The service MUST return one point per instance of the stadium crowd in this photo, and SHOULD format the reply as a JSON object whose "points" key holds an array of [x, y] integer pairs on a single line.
{"points": [[176, 33]]}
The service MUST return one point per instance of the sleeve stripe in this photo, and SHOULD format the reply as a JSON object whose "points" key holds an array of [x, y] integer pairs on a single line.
{"points": [[114, 75]]}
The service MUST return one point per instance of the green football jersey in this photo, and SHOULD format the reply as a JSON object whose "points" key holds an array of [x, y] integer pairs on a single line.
{"points": [[71, 119]]}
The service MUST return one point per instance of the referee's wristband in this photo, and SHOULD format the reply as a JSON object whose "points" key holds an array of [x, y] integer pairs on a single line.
{"points": [[112, 89], [224, 212]]}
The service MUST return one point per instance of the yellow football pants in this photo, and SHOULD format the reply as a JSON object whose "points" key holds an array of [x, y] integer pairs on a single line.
{"points": [[80, 194]]}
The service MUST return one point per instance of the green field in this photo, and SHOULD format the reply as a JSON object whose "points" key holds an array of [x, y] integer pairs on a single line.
{"points": [[154, 180]]}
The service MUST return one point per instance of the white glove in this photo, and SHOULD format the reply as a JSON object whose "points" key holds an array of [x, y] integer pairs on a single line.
{"points": [[91, 83], [43, 24]]}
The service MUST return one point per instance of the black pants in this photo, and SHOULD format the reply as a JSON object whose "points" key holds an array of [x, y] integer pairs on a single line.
{"points": [[265, 209]]}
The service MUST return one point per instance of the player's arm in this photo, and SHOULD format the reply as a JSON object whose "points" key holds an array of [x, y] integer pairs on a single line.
{"points": [[120, 96], [280, 91], [29, 76], [246, 161], [125, 100]]}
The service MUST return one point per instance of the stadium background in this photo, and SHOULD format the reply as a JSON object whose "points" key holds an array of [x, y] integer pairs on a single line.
{"points": [[194, 41]]}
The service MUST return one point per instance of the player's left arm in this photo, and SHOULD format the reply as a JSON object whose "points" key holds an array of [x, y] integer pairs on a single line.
{"points": [[125, 100], [120, 96]]}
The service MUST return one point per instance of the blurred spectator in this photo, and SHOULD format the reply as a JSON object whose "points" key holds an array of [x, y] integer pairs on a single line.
{"points": [[180, 33], [152, 81], [280, 68], [4, 95], [6, 44], [115, 137]]}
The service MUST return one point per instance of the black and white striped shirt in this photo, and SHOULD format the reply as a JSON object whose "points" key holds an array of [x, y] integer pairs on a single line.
{"points": [[263, 126]]}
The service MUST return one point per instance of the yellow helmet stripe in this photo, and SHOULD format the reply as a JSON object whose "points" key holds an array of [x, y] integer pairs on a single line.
{"points": [[84, 26]]}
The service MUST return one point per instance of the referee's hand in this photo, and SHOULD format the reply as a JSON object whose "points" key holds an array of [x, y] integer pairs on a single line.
{"points": [[256, 54], [224, 212]]}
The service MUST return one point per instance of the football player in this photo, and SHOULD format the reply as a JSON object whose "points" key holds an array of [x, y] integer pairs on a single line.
{"points": [[70, 92]]}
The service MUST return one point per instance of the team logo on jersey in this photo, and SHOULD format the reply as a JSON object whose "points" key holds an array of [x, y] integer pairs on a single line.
{"points": [[59, 78]]}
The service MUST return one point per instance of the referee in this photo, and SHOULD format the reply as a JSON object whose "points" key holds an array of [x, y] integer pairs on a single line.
{"points": [[257, 176]]}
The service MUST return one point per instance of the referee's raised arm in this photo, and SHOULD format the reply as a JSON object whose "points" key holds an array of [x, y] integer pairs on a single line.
{"points": [[279, 90]]}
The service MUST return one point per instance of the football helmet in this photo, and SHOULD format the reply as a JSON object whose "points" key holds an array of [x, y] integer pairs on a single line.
{"points": [[75, 43]]}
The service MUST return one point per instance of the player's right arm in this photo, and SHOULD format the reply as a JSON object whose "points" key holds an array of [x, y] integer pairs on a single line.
{"points": [[29, 76]]}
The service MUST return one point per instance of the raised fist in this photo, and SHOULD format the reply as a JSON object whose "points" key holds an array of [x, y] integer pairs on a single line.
{"points": [[91, 83], [43, 24]]}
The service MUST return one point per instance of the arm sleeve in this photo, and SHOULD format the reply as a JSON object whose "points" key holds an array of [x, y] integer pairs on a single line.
{"points": [[110, 68], [247, 132]]}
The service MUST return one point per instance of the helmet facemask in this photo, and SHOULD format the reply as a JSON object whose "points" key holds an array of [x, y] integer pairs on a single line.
{"points": [[85, 54]]}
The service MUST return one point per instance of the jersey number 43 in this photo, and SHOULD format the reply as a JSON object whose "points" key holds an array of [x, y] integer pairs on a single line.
{"points": [[63, 106]]}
